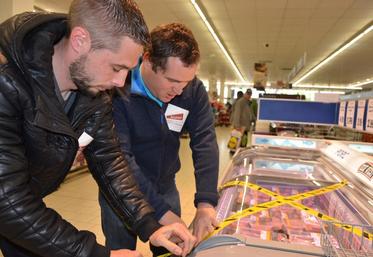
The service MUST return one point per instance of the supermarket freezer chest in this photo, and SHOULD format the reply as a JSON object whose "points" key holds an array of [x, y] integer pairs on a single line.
{"points": [[279, 202]]}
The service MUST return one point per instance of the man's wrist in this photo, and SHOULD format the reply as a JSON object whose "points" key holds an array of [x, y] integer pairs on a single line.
{"points": [[204, 205]]}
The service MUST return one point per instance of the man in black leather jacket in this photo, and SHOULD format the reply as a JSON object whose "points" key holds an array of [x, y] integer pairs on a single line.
{"points": [[55, 73]]}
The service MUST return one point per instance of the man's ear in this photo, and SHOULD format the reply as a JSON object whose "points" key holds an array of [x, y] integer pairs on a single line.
{"points": [[146, 60], [80, 40], [145, 56]]}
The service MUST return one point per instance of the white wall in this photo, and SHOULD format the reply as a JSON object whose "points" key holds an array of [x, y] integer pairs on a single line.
{"points": [[9, 8]]}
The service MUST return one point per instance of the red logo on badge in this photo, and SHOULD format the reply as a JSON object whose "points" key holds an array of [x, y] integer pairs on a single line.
{"points": [[178, 116]]}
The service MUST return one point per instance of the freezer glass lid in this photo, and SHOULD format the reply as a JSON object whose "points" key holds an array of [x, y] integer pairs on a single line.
{"points": [[285, 198]]}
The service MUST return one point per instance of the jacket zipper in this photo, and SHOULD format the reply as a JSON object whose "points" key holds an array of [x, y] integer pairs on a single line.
{"points": [[163, 119]]}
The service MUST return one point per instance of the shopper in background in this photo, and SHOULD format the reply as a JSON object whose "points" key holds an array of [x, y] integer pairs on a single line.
{"points": [[54, 75], [239, 95], [244, 115], [163, 98]]}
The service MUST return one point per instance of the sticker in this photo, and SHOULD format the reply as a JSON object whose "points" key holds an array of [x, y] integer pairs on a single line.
{"points": [[175, 117], [84, 140]]}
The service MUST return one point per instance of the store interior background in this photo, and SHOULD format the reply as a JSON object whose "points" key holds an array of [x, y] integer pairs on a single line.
{"points": [[287, 35]]}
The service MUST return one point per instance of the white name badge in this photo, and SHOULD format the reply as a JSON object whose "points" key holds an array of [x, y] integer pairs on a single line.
{"points": [[175, 117], [84, 139]]}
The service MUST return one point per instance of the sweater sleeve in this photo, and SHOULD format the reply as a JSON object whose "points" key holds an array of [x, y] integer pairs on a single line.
{"points": [[146, 186], [200, 125]]}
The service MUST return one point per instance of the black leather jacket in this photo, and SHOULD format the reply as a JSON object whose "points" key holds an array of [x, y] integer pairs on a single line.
{"points": [[38, 143]]}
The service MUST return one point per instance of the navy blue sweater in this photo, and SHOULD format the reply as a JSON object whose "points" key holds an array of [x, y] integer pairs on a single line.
{"points": [[152, 150]]}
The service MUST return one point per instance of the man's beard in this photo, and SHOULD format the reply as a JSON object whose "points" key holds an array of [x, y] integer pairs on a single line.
{"points": [[80, 77]]}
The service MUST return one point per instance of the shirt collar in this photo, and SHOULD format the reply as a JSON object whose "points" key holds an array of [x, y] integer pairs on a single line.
{"points": [[138, 85]]}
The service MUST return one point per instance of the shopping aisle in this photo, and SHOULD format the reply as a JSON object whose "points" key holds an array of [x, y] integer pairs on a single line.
{"points": [[76, 200]]}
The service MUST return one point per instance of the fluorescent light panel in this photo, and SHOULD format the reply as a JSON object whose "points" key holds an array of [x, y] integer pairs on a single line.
{"points": [[243, 83], [326, 86], [363, 83], [217, 40], [332, 56]]}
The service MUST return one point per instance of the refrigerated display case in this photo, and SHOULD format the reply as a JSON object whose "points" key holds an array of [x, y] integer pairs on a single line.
{"points": [[280, 197]]}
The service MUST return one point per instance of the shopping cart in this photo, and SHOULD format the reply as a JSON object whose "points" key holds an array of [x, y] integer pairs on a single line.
{"points": [[339, 242]]}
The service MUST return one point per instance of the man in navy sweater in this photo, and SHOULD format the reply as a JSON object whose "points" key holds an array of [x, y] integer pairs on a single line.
{"points": [[162, 98]]}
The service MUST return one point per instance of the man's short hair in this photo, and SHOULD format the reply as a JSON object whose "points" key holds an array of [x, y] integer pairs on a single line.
{"points": [[239, 94], [172, 40], [107, 21], [249, 91]]}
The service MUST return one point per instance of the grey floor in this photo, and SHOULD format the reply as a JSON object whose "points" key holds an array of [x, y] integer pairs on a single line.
{"points": [[76, 199]]}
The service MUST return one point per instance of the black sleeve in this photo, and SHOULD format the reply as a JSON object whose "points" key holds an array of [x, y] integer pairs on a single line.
{"points": [[114, 176]]}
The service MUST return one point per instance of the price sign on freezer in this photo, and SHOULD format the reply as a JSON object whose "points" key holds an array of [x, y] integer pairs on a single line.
{"points": [[350, 114], [367, 170], [360, 115], [342, 110], [369, 124]]}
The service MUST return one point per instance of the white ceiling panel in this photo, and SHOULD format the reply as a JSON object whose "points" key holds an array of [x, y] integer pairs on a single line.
{"points": [[328, 13], [298, 13], [290, 27], [297, 4], [366, 13], [336, 4], [268, 4], [363, 4]]}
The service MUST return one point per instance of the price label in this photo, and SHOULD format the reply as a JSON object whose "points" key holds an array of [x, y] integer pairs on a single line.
{"points": [[350, 114], [360, 115], [369, 123], [342, 109], [360, 164]]}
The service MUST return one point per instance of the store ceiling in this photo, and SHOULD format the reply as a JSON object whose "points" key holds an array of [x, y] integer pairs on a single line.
{"points": [[291, 28]]}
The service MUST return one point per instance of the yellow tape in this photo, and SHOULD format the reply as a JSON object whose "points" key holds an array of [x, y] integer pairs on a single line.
{"points": [[280, 200], [356, 230], [165, 255]]}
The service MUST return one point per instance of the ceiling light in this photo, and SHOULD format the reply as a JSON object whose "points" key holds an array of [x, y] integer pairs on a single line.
{"points": [[243, 83], [333, 55], [326, 86], [359, 84], [215, 36]]}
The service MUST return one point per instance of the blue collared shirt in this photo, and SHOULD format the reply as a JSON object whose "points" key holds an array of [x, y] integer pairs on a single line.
{"points": [[138, 85]]}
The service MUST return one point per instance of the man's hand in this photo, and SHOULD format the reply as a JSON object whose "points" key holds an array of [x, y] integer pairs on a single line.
{"points": [[125, 253], [166, 236], [169, 218], [204, 221]]}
